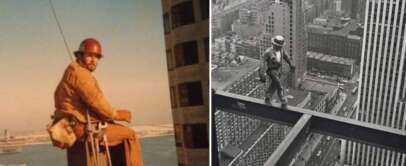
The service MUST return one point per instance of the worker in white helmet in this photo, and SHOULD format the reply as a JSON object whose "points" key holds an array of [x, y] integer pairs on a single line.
{"points": [[271, 65]]}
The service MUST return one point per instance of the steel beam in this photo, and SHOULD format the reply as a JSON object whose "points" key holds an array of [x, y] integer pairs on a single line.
{"points": [[341, 127], [214, 146], [248, 106], [289, 147]]}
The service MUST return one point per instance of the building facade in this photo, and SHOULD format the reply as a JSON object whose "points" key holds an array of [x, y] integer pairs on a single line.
{"points": [[330, 65], [342, 43], [310, 12], [383, 80], [347, 5], [186, 27]]}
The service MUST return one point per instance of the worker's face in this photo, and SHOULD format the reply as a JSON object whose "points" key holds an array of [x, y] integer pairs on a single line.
{"points": [[89, 61], [277, 48]]}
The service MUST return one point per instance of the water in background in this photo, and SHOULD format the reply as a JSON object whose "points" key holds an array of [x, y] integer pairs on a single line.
{"points": [[158, 151]]}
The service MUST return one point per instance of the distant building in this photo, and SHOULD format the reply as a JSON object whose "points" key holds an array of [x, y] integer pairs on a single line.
{"points": [[337, 5], [227, 19], [320, 21], [247, 26], [246, 31], [247, 16], [310, 12], [319, 86], [215, 27], [321, 6], [347, 5], [247, 48], [361, 10], [262, 7], [355, 5], [223, 44], [342, 42], [331, 65], [186, 28], [226, 16], [317, 102]]}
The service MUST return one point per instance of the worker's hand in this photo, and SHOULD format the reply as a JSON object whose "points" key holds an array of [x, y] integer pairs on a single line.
{"points": [[292, 68], [262, 79], [124, 115]]}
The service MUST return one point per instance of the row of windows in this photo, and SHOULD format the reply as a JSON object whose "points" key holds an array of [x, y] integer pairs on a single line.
{"points": [[194, 135], [183, 14], [186, 53], [189, 93], [369, 155]]}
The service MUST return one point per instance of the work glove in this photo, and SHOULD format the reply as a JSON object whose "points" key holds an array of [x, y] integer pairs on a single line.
{"points": [[124, 115], [262, 78]]}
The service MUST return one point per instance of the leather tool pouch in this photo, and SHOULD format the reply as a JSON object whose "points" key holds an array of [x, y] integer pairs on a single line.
{"points": [[61, 133]]}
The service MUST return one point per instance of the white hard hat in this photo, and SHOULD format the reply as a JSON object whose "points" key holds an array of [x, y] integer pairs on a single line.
{"points": [[278, 40]]}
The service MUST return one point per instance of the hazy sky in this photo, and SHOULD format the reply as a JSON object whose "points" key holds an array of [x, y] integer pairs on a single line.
{"points": [[33, 57]]}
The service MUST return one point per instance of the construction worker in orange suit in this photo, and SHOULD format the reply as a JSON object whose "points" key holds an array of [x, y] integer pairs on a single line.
{"points": [[78, 91], [270, 69]]}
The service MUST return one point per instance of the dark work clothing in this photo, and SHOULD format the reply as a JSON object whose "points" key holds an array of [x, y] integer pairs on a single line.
{"points": [[271, 69], [275, 85]]}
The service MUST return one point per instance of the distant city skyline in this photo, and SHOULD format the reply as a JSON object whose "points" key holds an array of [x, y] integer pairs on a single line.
{"points": [[33, 57]]}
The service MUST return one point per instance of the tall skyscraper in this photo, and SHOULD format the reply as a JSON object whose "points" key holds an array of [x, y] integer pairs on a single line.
{"points": [[286, 17], [383, 80], [186, 27]]}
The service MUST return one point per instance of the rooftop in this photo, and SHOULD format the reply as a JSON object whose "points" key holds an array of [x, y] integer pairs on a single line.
{"points": [[347, 28], [315, 99], [224, 76], [355, 37], [234, 4], [319, 86], [330, 58], [334, 27], [297, 97]]}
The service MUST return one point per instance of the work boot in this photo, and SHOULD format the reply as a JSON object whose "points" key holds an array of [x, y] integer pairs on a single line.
{"points": [[268, 101], [284, 102], [284, 106]]}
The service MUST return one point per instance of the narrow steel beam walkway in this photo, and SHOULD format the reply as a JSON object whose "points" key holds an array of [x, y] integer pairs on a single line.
{"points": [[305, 121]]}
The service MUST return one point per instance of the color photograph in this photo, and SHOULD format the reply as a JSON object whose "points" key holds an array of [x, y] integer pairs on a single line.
{"points": [[86, 83]]}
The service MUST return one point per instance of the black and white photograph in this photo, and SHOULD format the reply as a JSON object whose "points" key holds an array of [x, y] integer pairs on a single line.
{"points": [[308, 82]]}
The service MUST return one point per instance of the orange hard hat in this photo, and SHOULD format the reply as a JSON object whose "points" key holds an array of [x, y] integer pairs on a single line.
{"points": [[90, 45]]}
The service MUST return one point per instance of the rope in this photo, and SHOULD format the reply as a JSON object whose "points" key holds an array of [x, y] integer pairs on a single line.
{"points": [[60, 29]]}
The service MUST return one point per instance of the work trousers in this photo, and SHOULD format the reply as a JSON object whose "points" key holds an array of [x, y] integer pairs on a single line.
{"points": [[117, 134], [123, 143], [274, 84]]}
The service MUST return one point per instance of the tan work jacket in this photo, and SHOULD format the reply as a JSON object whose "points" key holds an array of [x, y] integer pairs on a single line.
{"points": [[78, 91]]}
